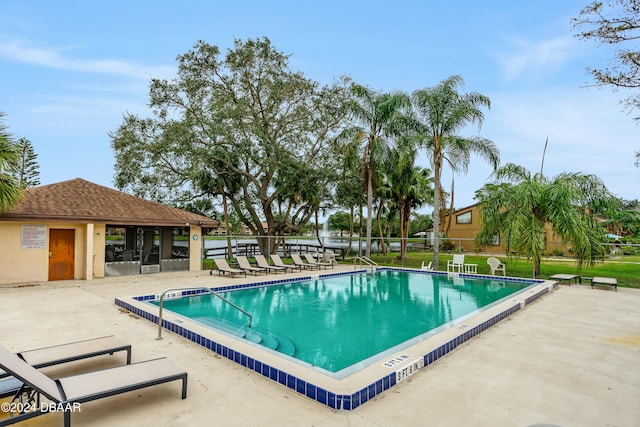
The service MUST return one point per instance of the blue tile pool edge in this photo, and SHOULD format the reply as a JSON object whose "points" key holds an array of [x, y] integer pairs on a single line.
{"points": [[325, 397]]}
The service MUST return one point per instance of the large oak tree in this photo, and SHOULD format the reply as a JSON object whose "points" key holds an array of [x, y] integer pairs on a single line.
{"points": [[244, 125]]}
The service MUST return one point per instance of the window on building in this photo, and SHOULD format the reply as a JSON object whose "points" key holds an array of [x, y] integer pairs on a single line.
{"points": [[120, 244], [464, 218], [180, 242]]}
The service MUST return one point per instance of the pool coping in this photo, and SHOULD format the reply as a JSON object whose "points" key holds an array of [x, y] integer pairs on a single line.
{"points": [[356, 389]]}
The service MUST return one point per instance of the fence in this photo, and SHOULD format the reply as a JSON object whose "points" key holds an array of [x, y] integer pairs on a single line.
{"points": [[345, 247]]}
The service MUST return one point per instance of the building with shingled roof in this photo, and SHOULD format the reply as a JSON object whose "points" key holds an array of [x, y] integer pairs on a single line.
{"points": [[80, 230]]}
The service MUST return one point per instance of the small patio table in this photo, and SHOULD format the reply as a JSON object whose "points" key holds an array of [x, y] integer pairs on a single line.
{"points": [[566, 277], [610, 281], [471, 268]]}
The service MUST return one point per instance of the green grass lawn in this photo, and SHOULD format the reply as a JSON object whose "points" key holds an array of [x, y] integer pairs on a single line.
{"points": [[625, 269]]}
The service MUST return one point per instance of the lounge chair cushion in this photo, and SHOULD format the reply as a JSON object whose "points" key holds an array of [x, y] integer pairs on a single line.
{"points": [[17, 367], [107, 382], [54, 355]]}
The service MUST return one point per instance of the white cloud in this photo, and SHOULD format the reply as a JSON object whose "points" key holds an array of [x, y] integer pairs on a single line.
{"points": [[53, 58], [587, 133], [537, 57]]}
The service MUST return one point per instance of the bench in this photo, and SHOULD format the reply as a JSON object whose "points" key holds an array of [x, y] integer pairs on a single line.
{"points": [[566, 277], [609, 281]]}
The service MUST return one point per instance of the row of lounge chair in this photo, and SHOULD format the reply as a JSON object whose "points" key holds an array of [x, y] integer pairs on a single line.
{"points": [[263, 266], [20, 377]]}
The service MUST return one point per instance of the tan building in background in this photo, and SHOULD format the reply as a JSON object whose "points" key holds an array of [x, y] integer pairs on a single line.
{"points": [[466, 224], [80, 230]]}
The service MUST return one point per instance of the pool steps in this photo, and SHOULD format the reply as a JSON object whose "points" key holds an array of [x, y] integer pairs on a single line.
{"points": [[263, 337]]}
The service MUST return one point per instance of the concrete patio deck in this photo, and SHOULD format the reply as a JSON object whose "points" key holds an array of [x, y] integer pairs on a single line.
{"points": [[572, 358]]}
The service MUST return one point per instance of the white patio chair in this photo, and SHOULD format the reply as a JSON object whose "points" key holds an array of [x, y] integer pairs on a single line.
{"points": [[456, 264]]}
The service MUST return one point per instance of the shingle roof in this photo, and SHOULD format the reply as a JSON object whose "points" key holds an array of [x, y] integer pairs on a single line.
{"points": [[78, 200]]}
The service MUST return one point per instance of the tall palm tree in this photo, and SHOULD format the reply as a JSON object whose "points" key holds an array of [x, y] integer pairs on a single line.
{"points": [[408, 185], [379, 116], [519, 206], [10, 192], [441, 113]]}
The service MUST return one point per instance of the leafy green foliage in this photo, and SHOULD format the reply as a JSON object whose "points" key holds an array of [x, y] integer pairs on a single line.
{"points": [[340, 221], [10, 191], [441, 113], [27, 168], [244, 126], [379, 117], [519, 206]]}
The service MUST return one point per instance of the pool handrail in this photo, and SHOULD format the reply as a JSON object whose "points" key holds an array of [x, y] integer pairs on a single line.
{"points": [[193, 288], [368, 261]]}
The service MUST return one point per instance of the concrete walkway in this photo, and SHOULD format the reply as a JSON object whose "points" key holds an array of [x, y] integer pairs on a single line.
{"points": [[571, 359]]}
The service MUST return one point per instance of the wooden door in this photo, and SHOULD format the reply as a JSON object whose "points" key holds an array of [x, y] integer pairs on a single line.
{"points": [[61, 253]]}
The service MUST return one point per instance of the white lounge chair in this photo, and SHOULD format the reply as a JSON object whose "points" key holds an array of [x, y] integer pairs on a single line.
{"points": [[63, 353], [456, 264], [244, 264], [69, 392], [298, 261], [311, 260], [262, 262], [223, 267], [427, 267], [495, 265], [277, 261]]}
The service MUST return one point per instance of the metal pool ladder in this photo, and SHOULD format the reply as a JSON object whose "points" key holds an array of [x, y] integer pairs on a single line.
{"points": [[201, 288], [363, 259]]}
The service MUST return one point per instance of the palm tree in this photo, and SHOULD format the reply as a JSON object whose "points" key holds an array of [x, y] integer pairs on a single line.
{"points": [[10, 192], [379, 116], [408, 185], [519, 206], [623, 222], [442, 112]]}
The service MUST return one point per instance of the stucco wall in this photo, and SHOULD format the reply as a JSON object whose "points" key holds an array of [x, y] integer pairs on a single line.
{"points": [[20, 265], [98, 249], [195, 249]]}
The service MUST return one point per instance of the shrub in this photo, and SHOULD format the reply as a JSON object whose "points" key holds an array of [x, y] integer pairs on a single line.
{"points": [[558, 252], [629, 250], [448, 245]]}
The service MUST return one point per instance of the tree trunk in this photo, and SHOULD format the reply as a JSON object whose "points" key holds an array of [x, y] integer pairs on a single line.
{"points": [[401, 203], [351, 225], [318, 230], [450, 216], [369, 212], [383, 249], [407, 219], [225, 207], [360, 233], [437, 168], [536, 268]]}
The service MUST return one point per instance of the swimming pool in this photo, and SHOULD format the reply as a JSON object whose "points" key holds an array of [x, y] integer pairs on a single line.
{"points": [[461, 310], [336, 322]]}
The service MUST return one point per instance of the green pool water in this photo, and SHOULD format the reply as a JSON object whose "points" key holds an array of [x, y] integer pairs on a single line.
{"points": [[336, 322]]}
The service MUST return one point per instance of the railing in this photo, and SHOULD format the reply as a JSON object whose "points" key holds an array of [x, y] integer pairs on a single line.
{"points": [[203, 288], [364, 259]]}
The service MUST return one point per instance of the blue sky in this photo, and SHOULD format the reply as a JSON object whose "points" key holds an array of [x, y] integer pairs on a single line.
{"points": [[71, 69]]}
